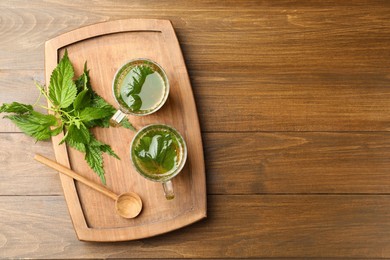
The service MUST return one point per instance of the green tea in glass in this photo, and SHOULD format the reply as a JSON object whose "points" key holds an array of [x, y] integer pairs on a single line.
{"points": [[140, 87], [158, 153]]}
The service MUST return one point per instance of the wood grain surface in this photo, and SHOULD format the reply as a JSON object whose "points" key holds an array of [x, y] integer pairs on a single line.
{"points": [[294, 104], [92, 213], [257, 226], [259, 163]]}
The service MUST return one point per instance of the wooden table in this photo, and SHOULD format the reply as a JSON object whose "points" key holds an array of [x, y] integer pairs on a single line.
{"points": [[294, 105]]}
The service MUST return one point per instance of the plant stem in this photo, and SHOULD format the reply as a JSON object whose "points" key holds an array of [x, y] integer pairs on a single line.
{"points": [[48, 108], [43, 92]]}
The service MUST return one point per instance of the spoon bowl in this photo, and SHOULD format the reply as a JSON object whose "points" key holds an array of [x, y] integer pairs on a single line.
{"points": [[128, 205]]}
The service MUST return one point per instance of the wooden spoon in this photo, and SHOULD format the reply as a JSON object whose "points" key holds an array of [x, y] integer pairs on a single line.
{"points": [[127, 205]]}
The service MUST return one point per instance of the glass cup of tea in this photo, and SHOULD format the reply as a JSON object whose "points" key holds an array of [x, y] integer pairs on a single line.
{"points": [[158, 153], [140, 87]]}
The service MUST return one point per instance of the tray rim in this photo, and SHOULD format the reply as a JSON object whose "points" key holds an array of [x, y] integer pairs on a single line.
{"points": [[83, 232]]}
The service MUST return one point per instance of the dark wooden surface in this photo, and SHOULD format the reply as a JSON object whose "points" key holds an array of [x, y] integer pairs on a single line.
{"points": [[294, 105]]}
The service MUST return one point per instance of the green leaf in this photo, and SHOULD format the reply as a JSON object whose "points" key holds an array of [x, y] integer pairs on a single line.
{"points": [[98, 101], [108, 150], [168, 159], [82, 100], [81, 82], [62, 89], [38, 117], [78, 135], [144, 146], [56, 131], [134, 87], [141, 72], [99, 123], [91, 113], [135, 102], [78, 146], [157, 152], [103, 147], [126, 124], [94, 158], [16, 107], [36, 125]]}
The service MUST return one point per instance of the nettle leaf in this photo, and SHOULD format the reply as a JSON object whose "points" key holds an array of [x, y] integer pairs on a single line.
{"points": [[141, 72], [82, 100], [79, 135], [76, 134], [168, 159], [36, 125], [126, 124], [98, 101], [94, 158], [16, 107], [108, 150], [135, 102], [57, 131], [157, 152], [62, 89], [83, 82], [135, 86], [78, 146], [103, 147], [43, 119], [92, 113]]}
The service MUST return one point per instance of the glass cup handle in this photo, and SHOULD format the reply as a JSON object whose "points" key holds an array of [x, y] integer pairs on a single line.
{"points": [[117, 118], [168, 190]]}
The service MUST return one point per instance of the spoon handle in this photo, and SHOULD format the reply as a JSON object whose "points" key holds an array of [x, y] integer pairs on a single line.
{"points": [[76, 176]]}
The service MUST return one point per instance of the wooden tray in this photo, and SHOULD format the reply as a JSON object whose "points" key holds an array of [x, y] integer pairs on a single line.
{"points": [[106, 46]]}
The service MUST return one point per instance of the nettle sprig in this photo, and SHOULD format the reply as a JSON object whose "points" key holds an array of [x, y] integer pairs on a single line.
{"points": [[134, 88], [75, 108]]}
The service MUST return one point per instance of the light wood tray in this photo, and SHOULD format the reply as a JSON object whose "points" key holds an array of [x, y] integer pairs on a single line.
{"points": [[107, 46]]}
